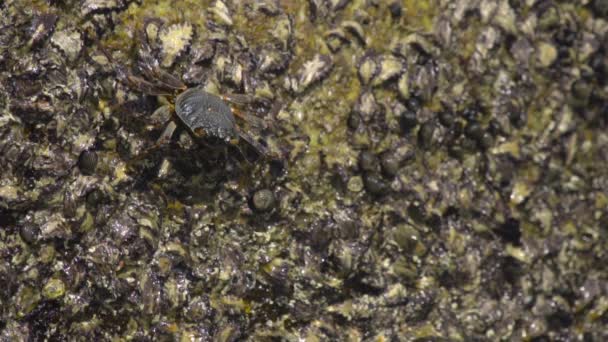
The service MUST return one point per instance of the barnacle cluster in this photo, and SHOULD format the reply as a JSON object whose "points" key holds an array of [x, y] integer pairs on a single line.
{"points": [[443, 172]]}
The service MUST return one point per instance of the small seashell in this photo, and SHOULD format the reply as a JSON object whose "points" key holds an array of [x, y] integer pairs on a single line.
{"points": [[424, 80], [41, 28], [99, 6], [368, 68], [283, 31], [272, 60], [260, 88], [336, 5], [314, 71], [268, 7], [390, 68], [444, 32], [323, 8], [356, 30], [403, 85], [202, 53], [317, 9], [174, 40], [402, 46], [233, 74], [152, 27], [263, 200], [160, 116], [367, 106], [221, 13], [334, 39], [196, 74], [69, 42]]}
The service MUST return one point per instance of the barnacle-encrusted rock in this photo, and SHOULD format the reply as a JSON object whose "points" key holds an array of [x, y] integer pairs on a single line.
{"points": [[174, 40], [426, 156]]}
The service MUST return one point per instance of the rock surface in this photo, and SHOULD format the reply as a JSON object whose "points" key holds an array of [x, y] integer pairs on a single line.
{"points": [[433, 171]]}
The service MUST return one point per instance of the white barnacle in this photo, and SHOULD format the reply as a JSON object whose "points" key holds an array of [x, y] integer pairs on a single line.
{"points": [[313, 71], [174, 40]]}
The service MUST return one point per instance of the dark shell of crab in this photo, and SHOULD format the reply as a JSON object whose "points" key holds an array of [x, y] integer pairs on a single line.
{"points": [[206, 114]]}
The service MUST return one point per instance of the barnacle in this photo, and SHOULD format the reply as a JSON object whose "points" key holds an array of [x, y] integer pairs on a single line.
{"points": [[174, 40], [390, 67], [313, 71], [69, 42], [98, 6], [221, 13]]}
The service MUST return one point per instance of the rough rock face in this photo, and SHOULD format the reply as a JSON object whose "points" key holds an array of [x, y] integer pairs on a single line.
{"points": [[434, 169]]}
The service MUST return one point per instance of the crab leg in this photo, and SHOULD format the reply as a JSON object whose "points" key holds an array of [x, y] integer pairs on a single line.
{"points": [[250, 119], [165, 137], [166, 80], [145, 86], [261, 149]]}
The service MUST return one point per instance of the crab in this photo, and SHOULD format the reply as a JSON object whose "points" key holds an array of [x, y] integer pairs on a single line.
{"points": [[205, 115]]}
